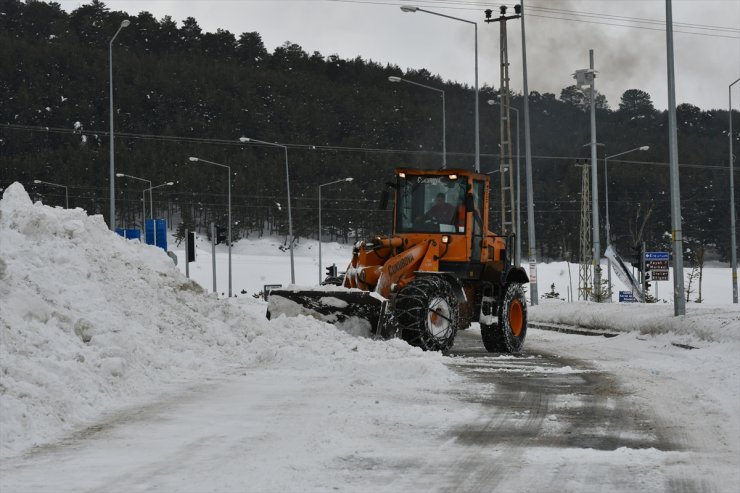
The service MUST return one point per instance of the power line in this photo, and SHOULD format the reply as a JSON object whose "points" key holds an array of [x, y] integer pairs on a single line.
{"points": [[570, 16], [635, 27], [310, 147]]}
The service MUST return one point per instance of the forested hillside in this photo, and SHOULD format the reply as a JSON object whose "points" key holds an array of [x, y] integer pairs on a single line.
{"points": [[180, 92]]}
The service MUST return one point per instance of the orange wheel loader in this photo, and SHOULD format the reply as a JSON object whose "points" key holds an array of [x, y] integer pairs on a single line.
{"points": [[439, 271]]}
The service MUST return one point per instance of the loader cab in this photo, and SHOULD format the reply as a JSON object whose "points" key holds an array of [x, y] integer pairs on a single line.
{"points": [[447, 205], [431, 202]]}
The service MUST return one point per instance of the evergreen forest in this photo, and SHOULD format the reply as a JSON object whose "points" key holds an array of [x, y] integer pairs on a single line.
{"points": [[181, 92]]}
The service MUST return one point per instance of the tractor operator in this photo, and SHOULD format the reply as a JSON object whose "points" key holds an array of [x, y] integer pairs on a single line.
{"points": [[441, 211]]}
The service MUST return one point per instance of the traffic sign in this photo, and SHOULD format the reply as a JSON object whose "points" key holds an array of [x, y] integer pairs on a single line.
{"points": [[656, 264], [627, 297], [656, 275], [657, 256]]}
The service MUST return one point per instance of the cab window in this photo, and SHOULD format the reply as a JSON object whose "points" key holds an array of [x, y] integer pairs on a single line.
{"points": [[431, 204]]}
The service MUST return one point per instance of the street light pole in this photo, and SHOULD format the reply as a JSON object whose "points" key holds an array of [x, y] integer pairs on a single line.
{"points": [[407, 8], [151, 214], [166, 184], [325, 184], [197, 159], [595, 184], [143, 196], [531, 245], [393, 78], [733, 246], [66, 195], [606, 198], [287, 186], [124, 23]]}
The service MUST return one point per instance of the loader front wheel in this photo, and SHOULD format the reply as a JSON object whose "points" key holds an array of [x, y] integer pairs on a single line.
{"points": [[427, 313], [507, 335]]}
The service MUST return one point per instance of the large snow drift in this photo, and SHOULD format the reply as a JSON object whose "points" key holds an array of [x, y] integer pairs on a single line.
{"points": [[91, 322]]}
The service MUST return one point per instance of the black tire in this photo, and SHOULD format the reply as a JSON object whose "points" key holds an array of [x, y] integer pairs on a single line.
{"points": [[426, 313], [508, 333]]}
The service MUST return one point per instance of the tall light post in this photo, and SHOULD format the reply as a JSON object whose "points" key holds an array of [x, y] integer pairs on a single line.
{"points": [[287, 186], [124, 23], [325, 184], [408, 8], [518, 188], [143, 194], [66, 195], [733, 246], [151, 202], [393, 78], [151, 208], [196, 160], [531, 245], [606, 198]]}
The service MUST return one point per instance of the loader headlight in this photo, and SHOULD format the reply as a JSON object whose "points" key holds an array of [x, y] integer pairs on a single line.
{"points": [[453, 177], [445, 239], [402, 175]]}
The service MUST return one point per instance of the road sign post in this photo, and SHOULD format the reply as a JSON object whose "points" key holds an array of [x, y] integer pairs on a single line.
{"points": [[657, 263]]}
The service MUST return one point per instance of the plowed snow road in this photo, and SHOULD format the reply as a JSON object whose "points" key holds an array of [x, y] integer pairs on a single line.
{"points": [[537, 422]]}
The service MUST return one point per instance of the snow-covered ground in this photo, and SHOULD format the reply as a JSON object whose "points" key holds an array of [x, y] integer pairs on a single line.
{"points": [[96, 331]]}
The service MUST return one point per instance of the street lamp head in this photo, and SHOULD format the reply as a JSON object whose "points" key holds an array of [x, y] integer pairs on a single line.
{"points": [[125, 23], [492, 102], [243, 139], [194, 159], [348, 179], [393, 78], [408, 8], [170, 183], [37, 181], [645, 148], [119, 175]]}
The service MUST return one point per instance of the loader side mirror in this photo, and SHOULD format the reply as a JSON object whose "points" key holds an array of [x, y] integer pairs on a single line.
{"points": [[469, 202], [384, 200]]}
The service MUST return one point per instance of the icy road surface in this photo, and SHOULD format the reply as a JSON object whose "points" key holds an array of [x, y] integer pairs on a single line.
{"points": [[536, 422]]}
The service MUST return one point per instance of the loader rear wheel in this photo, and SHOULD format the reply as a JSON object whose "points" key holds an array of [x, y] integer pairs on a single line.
{"points": [[427, 313], [507, 335]]}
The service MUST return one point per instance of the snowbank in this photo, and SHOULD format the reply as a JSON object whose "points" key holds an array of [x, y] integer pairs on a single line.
{"points": [[91, 322], [702, 323]]}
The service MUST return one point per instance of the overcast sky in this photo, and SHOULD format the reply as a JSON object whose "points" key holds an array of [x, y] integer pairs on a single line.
{"points": [[628, 38]]}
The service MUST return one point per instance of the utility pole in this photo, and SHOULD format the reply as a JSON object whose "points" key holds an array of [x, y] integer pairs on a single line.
{"points": [[679, 302], [586, 78], [506, 162], [733, 246]]}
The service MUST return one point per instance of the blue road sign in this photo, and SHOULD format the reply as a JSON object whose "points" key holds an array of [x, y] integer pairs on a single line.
{"points": [[627, 297], [657, 256]]}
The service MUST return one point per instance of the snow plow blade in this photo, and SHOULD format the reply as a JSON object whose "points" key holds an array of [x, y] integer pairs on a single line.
{"points": [[353, 310]]}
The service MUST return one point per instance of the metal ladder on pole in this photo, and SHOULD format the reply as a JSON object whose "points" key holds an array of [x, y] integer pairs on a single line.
{"points": [[586, 253], [506, 162]]}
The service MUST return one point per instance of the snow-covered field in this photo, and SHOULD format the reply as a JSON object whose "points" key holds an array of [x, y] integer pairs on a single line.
{"points": [[95, 329]]}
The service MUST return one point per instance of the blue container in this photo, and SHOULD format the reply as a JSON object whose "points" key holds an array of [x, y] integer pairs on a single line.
{"points": [[162, 234], [129, 234], [160, 225]]}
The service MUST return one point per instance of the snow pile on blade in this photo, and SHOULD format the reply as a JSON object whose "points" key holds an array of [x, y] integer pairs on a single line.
{"points": [[91, 323], [352, 310]]}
